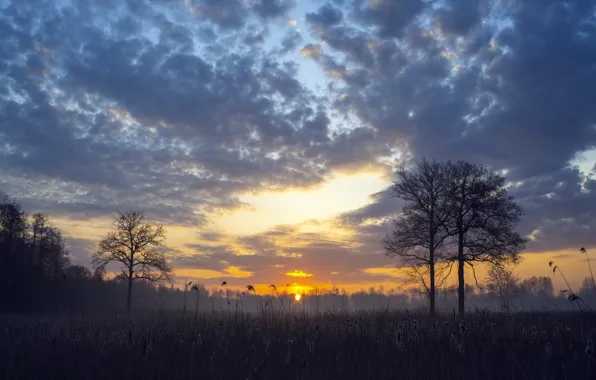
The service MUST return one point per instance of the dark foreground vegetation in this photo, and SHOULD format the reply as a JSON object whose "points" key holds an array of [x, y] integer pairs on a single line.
{"points": [[272, 346]]}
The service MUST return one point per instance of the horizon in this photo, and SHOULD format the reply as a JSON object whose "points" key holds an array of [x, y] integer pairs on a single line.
{"points": [[264, 135]]}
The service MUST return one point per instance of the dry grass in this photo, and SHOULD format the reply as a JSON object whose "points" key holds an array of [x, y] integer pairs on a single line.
{"points": [[330, 346]]}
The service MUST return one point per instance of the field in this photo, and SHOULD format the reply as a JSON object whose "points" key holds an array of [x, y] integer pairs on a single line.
{"points": [[329, 346]]}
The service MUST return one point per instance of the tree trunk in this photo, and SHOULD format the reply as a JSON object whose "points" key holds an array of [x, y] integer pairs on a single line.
{"points": [[432, 292], [461, 295], [198, 298], [129, 295], [431, 267]]}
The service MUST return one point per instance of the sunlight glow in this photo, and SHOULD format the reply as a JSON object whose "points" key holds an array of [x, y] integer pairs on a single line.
{"points": [[230, 272], [298, 273], [298, 289], [297, 297], [391, 272], [342, 193]]}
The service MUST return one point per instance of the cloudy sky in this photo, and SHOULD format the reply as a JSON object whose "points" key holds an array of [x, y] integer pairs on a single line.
{"points": [[263, 133]]}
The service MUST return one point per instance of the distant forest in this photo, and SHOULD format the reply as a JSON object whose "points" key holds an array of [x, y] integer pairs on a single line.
{"points": [[36, 277]]}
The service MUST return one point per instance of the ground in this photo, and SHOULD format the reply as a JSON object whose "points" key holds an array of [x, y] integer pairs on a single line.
{"points": [[336, 345]]}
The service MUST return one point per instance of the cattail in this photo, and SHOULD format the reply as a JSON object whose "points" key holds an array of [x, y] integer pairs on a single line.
{"points": [[548, 350], [460, 349], [589, 348], [146, 348], [289, 351], [311, 345], [398, 337]]}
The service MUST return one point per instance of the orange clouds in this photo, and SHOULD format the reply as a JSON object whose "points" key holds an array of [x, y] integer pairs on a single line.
{"points": [[298, 273]]}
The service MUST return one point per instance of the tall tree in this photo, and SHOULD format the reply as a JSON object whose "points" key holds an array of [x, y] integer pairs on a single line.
{"points": [[47, 246], [483, 221], [134, 244], [420, 231], [13, 231]]}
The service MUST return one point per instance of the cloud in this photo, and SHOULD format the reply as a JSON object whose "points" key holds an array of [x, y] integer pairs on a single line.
{"points": [[278, 252], [311, 51], [80, 250], [179, 108], [227, 14], [327, 15], [460, 16], [136, 118], [453, 83], [388, 17], [382, 208], [298, 273], [272, 8]]}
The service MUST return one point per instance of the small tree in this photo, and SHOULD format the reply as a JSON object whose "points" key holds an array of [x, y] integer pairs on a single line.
{"points": [[483, 221], [420, 231], [502, 284], [537, 286], [587, 287], [133, 245]]}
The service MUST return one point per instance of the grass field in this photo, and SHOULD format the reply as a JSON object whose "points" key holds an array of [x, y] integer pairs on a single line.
{"points": [[329, 346]]}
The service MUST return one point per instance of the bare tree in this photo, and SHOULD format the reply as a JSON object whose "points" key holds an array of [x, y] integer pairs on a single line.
{"points": [[587, 287], [537, 286], [48, 246], [502, 284], [420, 230], [134, 245], [483, 221], [99, 273]]}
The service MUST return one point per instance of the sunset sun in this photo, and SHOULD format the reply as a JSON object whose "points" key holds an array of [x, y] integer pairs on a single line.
{"points": [[297, 297]]}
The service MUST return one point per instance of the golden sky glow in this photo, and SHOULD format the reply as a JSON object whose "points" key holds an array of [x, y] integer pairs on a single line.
{"points": [[298, 273], [305, 214], [341, 194]]}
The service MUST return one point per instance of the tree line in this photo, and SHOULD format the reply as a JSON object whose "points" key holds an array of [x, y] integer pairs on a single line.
{"points": [[36, 273], [455, 215], [32, 252]]}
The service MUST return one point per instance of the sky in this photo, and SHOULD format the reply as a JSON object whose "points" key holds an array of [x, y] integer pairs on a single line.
{"points": [[263, 134]]}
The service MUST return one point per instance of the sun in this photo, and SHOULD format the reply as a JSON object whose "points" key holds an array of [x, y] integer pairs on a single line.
{"points": [[297, 297]]}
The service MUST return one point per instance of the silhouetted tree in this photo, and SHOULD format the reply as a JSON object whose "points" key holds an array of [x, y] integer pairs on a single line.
{"points": [[32, 254], [99, 273], [13, 230], [502, 284], [420, 231], [587, 286], [133, 245], [77, 273], [483, 220], [48, 246], [537, 286]]}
